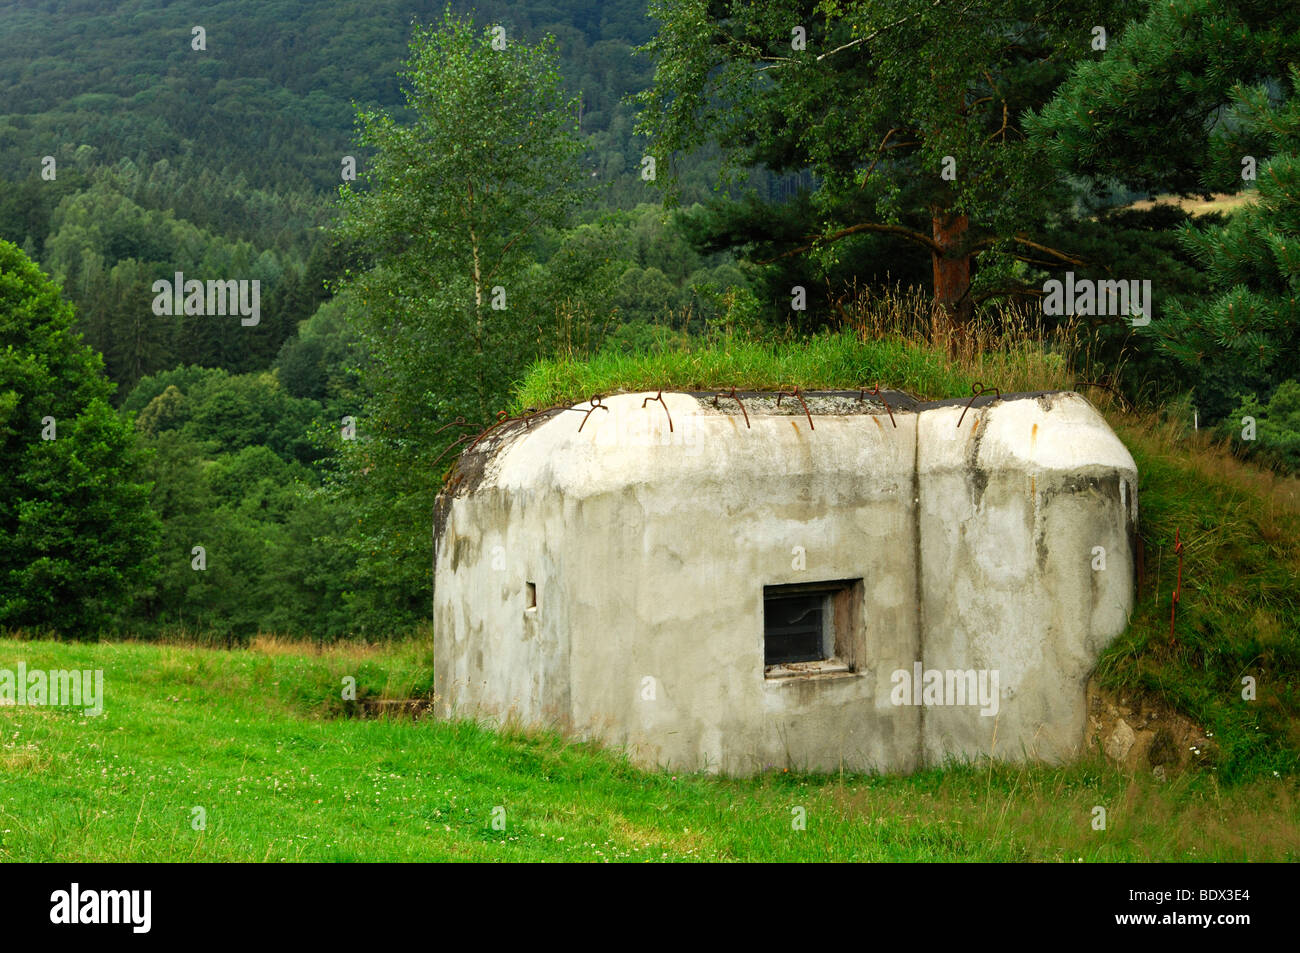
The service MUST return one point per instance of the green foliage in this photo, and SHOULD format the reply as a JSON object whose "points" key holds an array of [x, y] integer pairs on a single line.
{"points": [[126, 82], [107, 252], [454, 306], [452, 201], [1185, 100], [231, 464], [224, 160], [184, 379], [230, 411], [1245, 337], [1277, 424], [876, 131], [26, 207], [252, 410], [635, 265], [1139, 113], [264, 528], [762, 230], [75, 534], [1130, 244]]}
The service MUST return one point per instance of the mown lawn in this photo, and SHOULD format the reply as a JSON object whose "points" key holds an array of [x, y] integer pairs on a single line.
{"points": [[260, 741]]}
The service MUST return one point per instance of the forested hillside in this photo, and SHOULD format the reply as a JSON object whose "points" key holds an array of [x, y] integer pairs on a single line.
{"points": [[226, 159], [133, 148]]}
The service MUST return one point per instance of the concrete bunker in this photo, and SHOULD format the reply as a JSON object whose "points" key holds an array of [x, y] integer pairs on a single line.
{"points": [[844, 581]]}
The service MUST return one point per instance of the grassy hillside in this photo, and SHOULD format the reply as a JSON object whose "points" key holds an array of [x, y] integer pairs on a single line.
{"points": [[256, 739], [1239, 611]]}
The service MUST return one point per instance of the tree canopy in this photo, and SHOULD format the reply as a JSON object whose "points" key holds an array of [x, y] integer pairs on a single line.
{"points": [[907, 113], [76, 533]]}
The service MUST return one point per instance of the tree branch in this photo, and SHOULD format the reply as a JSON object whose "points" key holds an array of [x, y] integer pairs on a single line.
{"points": [[874, 33], [880, 149], [1024, 290], [777, 61], [1003, 131], [992, 240], [910, 234]]}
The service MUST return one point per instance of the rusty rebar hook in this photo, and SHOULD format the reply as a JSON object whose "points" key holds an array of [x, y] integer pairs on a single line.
{"points": [[502, 419], [977, 390], [527, 417], [875, 392], [734, 397], [486, 430], [532, 412], [596, 401], [1178, 589], [461, 439], [796, 393], [660, 397], [458, 422]]}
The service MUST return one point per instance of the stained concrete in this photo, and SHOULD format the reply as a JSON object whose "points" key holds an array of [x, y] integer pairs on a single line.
{"points": [[649, 547]]}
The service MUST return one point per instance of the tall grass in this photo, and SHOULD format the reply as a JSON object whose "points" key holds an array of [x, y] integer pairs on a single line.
{"points": [[887, 339], [1238, 613]]}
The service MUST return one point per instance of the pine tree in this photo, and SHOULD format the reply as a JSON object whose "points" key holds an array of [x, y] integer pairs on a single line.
{"points": [[1148, 113], [906, 112], [1246, 337], [1197, 97]]}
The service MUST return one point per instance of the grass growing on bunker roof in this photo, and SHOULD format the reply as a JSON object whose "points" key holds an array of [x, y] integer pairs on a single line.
{"points": [[839, 361]]}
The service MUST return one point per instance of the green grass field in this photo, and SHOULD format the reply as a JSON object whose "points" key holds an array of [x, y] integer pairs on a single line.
{"points": [[257, 739]]}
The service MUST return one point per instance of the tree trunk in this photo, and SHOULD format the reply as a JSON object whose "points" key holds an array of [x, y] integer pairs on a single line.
{"points": [[952, 309], [478, 310]]}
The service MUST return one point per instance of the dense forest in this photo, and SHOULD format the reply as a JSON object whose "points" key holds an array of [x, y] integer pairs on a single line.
{"points": [[649, 176]]}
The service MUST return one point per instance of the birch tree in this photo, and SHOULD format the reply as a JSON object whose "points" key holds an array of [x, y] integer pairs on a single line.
{"points": [[449, 206]]}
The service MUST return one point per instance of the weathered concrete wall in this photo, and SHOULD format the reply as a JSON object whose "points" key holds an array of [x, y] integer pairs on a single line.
{"points": [[1012, 505], [649, 548]]}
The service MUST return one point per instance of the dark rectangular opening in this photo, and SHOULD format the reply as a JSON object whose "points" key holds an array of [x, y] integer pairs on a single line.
{"points": [[530, 595], [810, 622], [794, 627]]}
